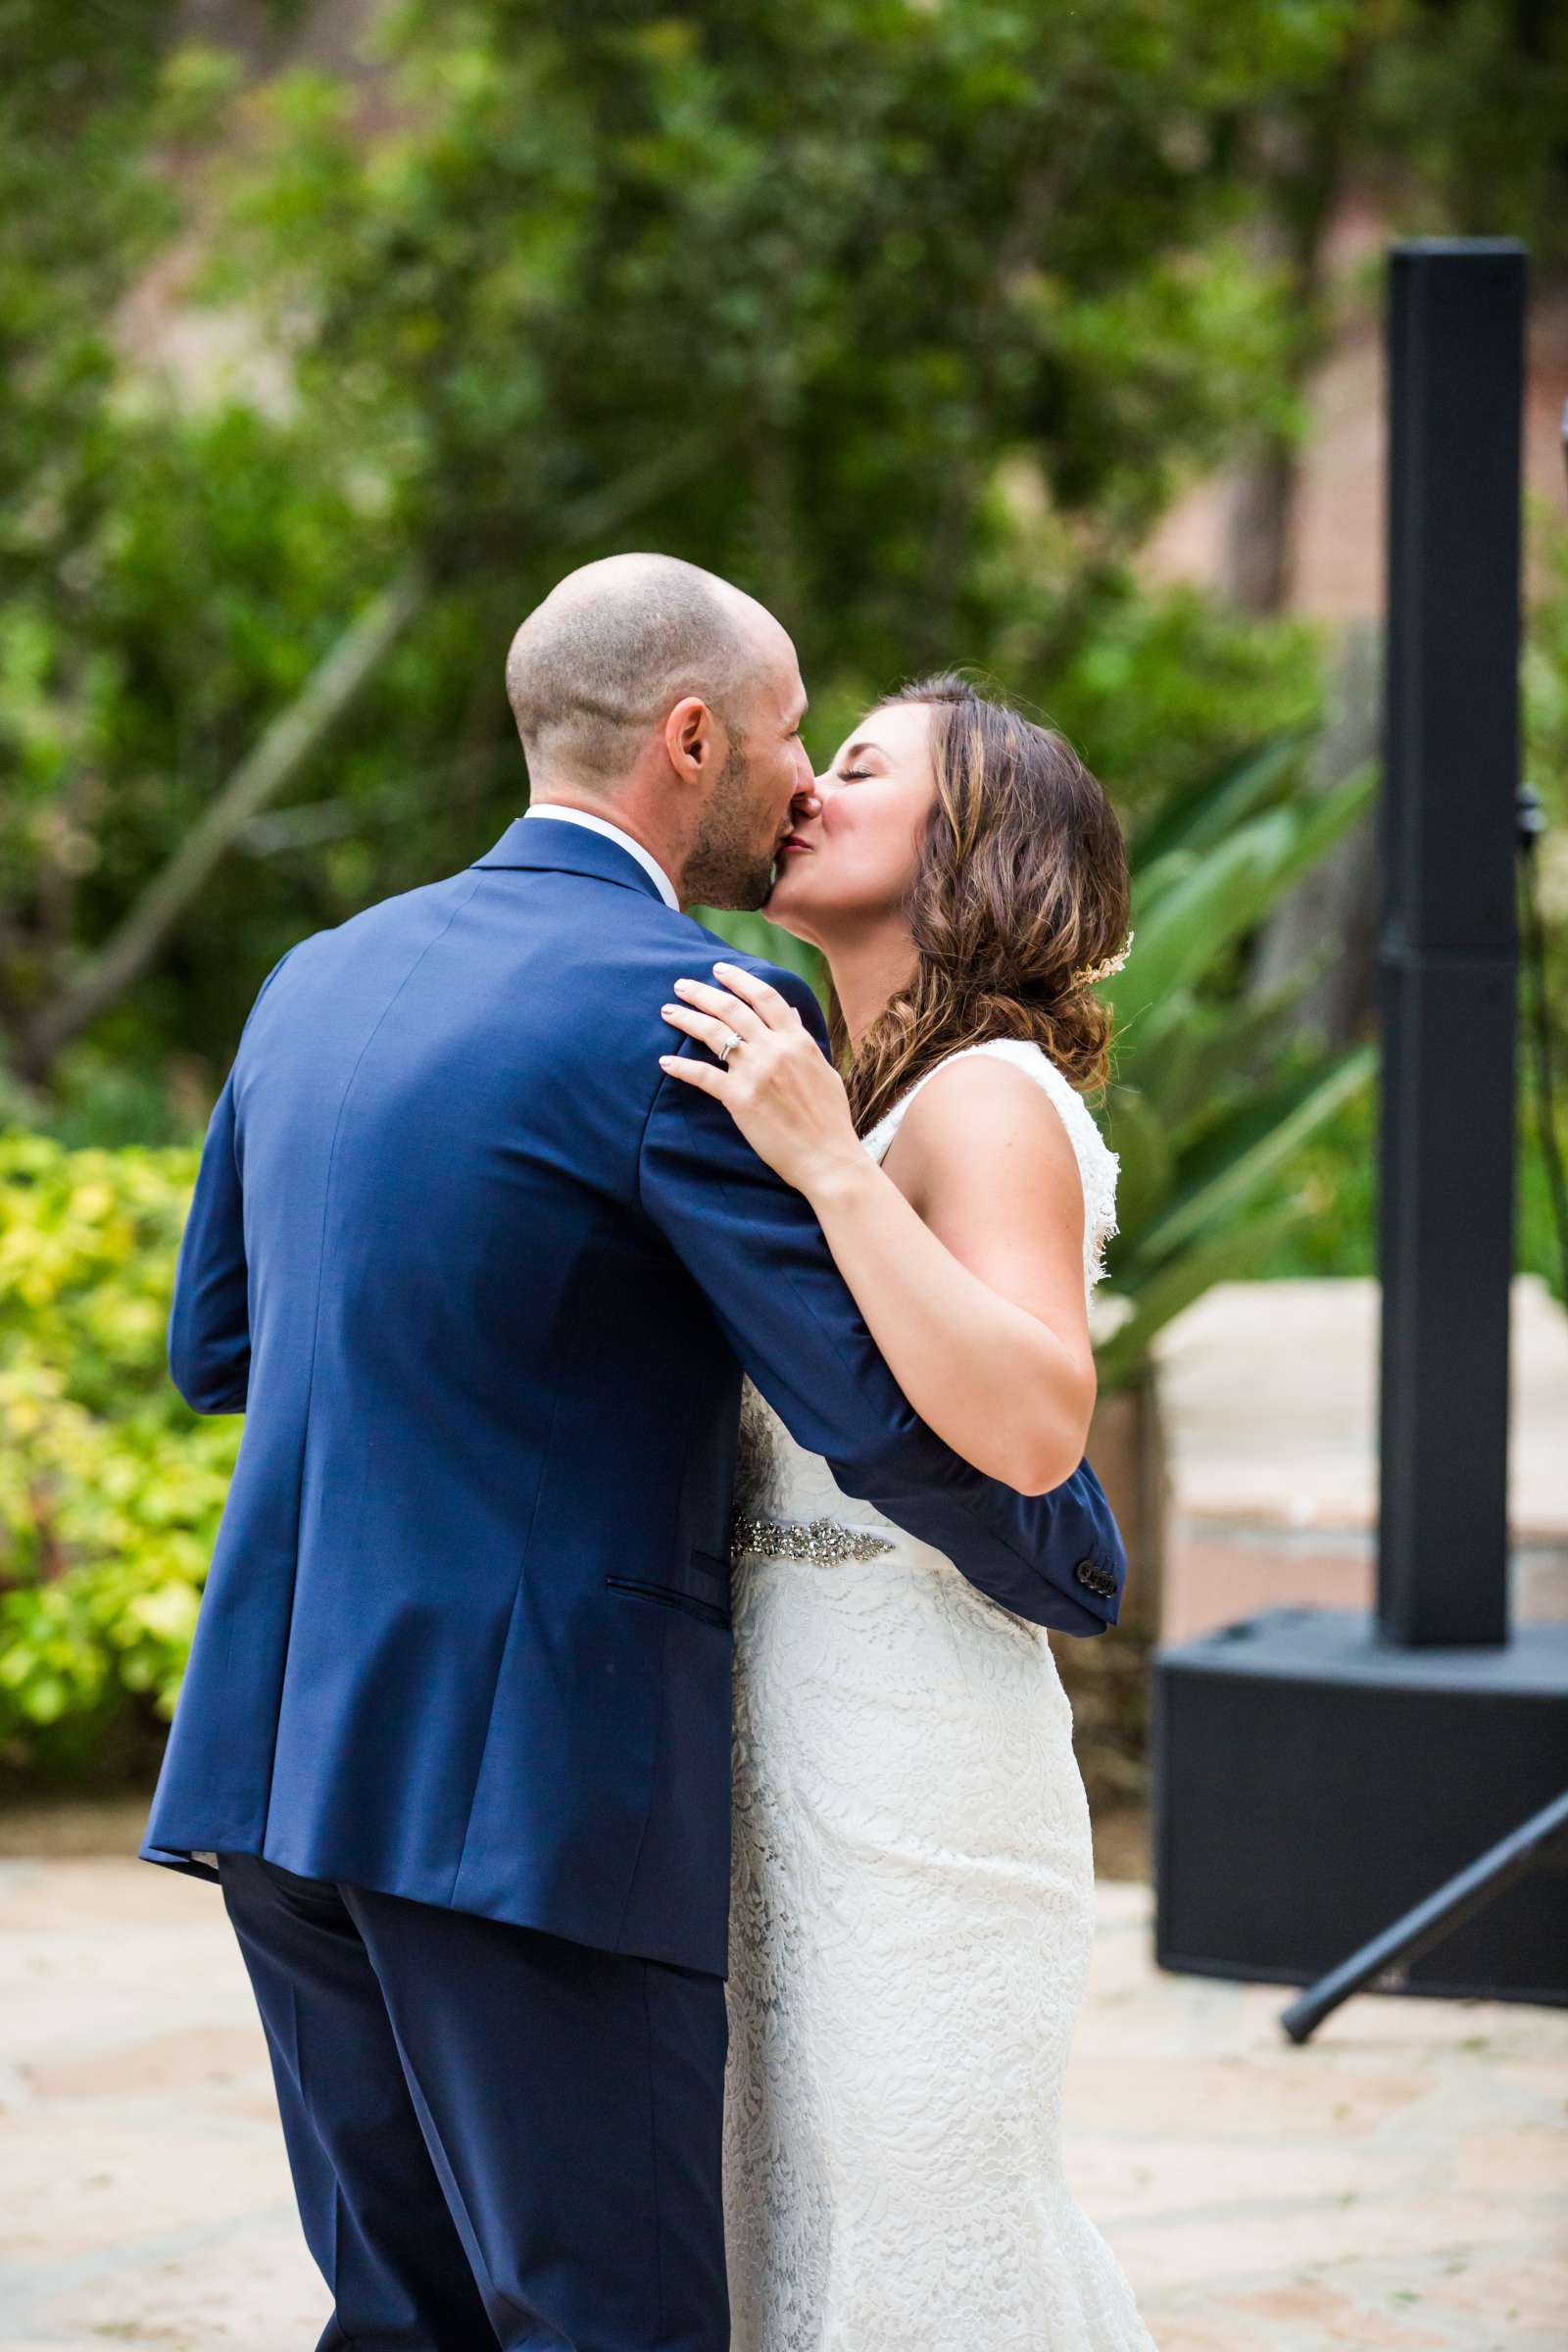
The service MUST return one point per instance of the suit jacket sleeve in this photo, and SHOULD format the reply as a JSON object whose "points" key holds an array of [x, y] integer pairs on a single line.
{"points": [[208, 1322], [753, 1243]]}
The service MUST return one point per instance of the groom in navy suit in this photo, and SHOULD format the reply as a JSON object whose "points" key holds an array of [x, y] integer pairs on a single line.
{"points": [[455, 1734]]}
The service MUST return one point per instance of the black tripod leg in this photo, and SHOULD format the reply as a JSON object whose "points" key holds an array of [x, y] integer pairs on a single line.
{"points": [[1473, 1886]]}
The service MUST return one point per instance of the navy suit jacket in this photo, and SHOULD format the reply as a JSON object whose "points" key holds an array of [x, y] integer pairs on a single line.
{"points": [[482, 1280]]}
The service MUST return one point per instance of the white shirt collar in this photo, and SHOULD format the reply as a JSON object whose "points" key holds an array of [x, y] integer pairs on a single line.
{"points": [[601, 824]]}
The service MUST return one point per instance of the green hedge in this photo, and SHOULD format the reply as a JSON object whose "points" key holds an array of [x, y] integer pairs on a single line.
{"points": [[110, 1490]]}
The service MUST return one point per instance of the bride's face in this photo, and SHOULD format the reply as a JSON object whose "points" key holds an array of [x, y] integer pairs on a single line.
{"points": [[855, 861]]}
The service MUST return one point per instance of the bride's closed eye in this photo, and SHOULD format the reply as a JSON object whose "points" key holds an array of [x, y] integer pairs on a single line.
{"points": [[852, 775]]}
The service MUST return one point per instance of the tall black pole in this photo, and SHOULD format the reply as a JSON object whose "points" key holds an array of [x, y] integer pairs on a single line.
{"points": [[1320, 1774], [1447, 957]]}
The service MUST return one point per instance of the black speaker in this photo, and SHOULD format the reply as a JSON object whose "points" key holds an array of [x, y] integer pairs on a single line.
{"points": [[1312, 1782]]}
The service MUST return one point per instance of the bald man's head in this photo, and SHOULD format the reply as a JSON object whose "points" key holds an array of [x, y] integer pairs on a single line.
{"points": [[601, 664]]}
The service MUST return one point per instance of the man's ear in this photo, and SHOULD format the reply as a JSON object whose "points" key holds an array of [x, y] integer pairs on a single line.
{"points": [[694, 739]]}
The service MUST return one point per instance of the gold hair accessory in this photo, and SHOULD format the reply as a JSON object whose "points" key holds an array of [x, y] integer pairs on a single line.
{"points": [[1088, 973]]}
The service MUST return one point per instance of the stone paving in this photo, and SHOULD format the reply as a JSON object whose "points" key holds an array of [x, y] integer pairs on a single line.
{"points": [[1402, 2182]]}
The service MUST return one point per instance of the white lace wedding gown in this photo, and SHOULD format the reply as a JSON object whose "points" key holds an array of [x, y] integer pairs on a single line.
{"points": [[913, 1916]]}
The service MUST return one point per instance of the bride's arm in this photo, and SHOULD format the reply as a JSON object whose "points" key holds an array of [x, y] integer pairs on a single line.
{"points": [[968, 1268], [965, 1255]]}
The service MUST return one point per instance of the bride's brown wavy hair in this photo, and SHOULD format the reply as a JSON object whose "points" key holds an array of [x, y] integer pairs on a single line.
{"points": [[1021, 885]]}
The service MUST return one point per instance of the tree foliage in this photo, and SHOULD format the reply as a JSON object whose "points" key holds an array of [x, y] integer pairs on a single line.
{"points": [[911, 319]]}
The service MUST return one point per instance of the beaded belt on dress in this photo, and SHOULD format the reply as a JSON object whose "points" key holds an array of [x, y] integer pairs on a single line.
{"points": [[804, 1539]]}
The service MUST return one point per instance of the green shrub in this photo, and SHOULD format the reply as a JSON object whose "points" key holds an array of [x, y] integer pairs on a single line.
{"points": [[110, 1490]]}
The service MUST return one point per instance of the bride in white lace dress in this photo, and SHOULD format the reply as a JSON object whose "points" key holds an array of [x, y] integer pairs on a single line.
{"points": [[912, 1886]]}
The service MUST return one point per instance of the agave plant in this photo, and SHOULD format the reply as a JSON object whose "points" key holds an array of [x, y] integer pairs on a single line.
{"points": [[1214, 1089]]}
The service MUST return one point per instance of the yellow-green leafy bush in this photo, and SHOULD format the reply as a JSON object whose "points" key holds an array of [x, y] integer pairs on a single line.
{"points": [[110, 1490]]}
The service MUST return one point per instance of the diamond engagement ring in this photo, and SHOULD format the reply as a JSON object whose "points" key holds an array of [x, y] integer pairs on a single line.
{"points": [[724, 1051]]}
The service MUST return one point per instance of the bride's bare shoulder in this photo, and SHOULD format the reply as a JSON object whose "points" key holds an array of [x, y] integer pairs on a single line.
{"points": [[984, 1128]]}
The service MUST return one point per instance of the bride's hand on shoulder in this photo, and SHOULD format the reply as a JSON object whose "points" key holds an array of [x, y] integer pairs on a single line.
{"points": [[778, 1086]]}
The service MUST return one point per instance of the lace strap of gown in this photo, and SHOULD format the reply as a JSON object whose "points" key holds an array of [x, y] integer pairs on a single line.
{"points": [[1098, 1164]]}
